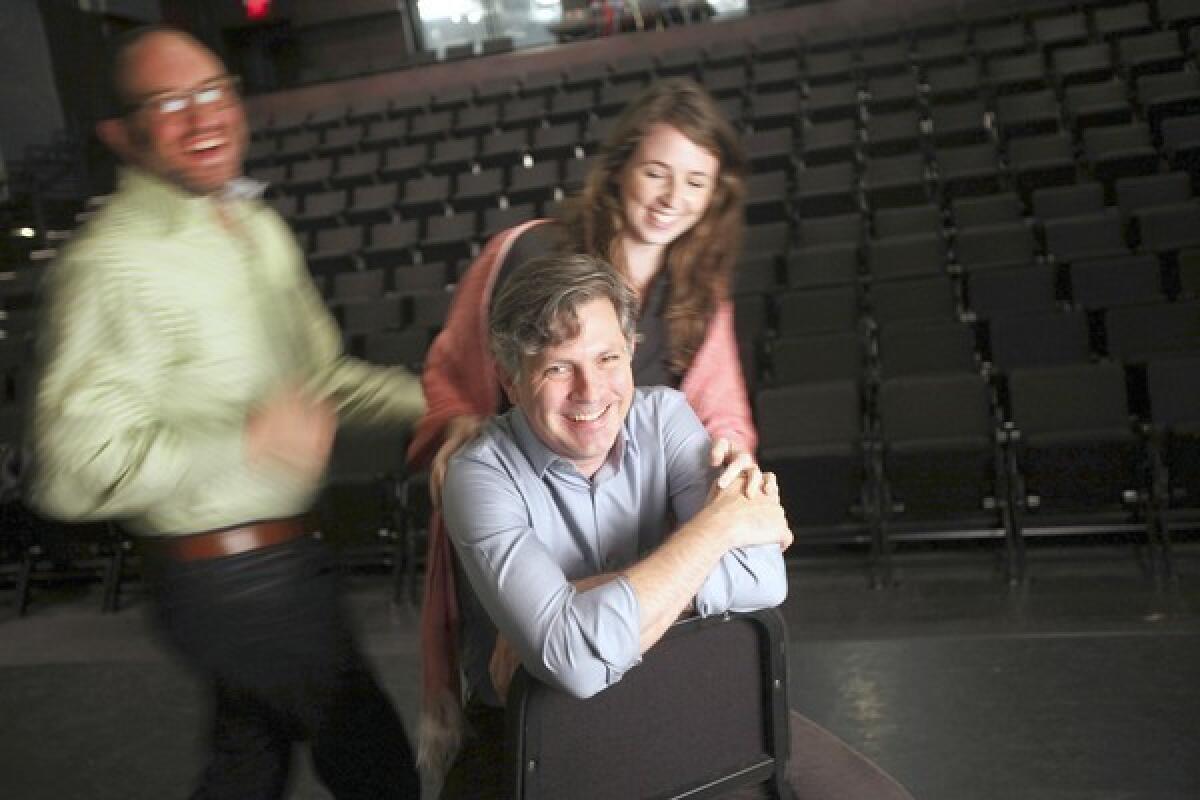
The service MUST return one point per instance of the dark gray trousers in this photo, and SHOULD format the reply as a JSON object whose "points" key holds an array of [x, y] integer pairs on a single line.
{"points": [[267, 630]]}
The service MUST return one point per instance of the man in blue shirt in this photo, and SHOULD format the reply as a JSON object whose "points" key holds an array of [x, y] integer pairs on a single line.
{"points": [[587, 518]]}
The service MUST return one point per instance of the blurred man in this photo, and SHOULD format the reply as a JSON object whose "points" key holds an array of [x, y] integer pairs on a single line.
{"points": [[586, 518], [192, 385]]}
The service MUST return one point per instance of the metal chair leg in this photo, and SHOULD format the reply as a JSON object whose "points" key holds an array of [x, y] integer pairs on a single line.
{"points": [[401, 583], [24, 578], [112, 580]]}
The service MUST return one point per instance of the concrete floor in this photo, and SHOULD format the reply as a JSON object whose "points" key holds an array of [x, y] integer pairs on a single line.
{"points": [[1080, 684]]}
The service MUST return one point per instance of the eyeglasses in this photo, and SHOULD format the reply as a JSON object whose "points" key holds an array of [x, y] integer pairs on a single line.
{"points": [[217, 93]]}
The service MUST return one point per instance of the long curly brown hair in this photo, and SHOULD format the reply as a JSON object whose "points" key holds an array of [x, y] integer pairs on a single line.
{"points": [[699, 263]]}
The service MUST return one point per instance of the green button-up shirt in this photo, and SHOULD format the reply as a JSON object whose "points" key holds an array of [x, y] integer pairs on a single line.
{"points": [[163, 327]]}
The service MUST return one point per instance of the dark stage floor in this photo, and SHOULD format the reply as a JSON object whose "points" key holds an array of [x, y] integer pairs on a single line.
{"points": [[1082, 685]]}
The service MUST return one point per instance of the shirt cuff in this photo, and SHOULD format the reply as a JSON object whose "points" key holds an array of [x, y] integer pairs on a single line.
{"points": [[746, 579], [616, 616]]}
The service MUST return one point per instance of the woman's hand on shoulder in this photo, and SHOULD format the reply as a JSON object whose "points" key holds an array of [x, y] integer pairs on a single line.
{"points": [[459, 431]]}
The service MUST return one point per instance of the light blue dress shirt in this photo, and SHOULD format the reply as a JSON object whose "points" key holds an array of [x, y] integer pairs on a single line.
{"points": [[525, 523]]}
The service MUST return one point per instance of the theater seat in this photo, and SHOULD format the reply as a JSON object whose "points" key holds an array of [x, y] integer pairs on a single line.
{"points": [[1173, 385]]}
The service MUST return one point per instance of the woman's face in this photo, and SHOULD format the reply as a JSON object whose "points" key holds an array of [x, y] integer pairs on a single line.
{"points": [[666, 186]]}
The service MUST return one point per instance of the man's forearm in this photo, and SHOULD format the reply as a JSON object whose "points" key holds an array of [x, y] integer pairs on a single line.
{"points": [[368, 395], [365, 394], [505, 659], [666, 581]]}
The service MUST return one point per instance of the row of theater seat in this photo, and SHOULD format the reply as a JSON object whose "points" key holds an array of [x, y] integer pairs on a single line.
{"points": [[427, 210], [1019, 316], [730, 66], [321, 193], [923, 111], [1144, 208], [430, 196], [1156, 215], [1024, 325], [1112, 142], [1037, 451], [393, 183], [1028, 336], [952, 100], [851, 183]]}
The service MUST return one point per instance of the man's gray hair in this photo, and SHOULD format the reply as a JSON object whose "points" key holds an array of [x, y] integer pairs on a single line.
{"points": [[538, 306]]}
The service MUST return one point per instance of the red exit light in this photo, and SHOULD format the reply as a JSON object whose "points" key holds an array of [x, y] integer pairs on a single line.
{"points": [[257, 9]]}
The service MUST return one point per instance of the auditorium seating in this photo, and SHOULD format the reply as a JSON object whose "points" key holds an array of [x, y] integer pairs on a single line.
{"points": [[989, 201], [1173, 387], [942, 470], [813, 439], [357, 513]]}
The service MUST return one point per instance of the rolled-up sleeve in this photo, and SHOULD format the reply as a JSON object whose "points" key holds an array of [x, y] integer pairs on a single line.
{"points": [[581, 642], [746, 579]]}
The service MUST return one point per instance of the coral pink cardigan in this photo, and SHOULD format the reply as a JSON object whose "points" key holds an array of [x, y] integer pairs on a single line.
{"points": [[460, 379]]}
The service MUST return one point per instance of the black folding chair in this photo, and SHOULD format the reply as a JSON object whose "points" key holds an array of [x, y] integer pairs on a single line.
{"points": [[705, 712]]}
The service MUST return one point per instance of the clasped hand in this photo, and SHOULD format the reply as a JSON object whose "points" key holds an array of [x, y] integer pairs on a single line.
{"points": [[748, 498]]}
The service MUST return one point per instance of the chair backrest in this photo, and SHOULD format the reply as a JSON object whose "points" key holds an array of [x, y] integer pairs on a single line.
{"points": [[1069, 398], [1174, 387], [705, 712], [929, 408], [919, 348], [809, 415]]}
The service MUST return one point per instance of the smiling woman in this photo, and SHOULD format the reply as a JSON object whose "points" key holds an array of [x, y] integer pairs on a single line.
{"points": [[665, 189]]}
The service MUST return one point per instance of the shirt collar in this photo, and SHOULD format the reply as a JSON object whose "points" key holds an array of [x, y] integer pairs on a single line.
{"points": [[243, 188], [541, 457], [174, 207]]}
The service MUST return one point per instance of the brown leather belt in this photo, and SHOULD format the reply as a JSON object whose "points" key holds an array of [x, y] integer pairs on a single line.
{"points": [[231, 541]]}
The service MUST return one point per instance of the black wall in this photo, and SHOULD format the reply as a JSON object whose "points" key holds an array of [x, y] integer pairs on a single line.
{"points": [[28, 95]]}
